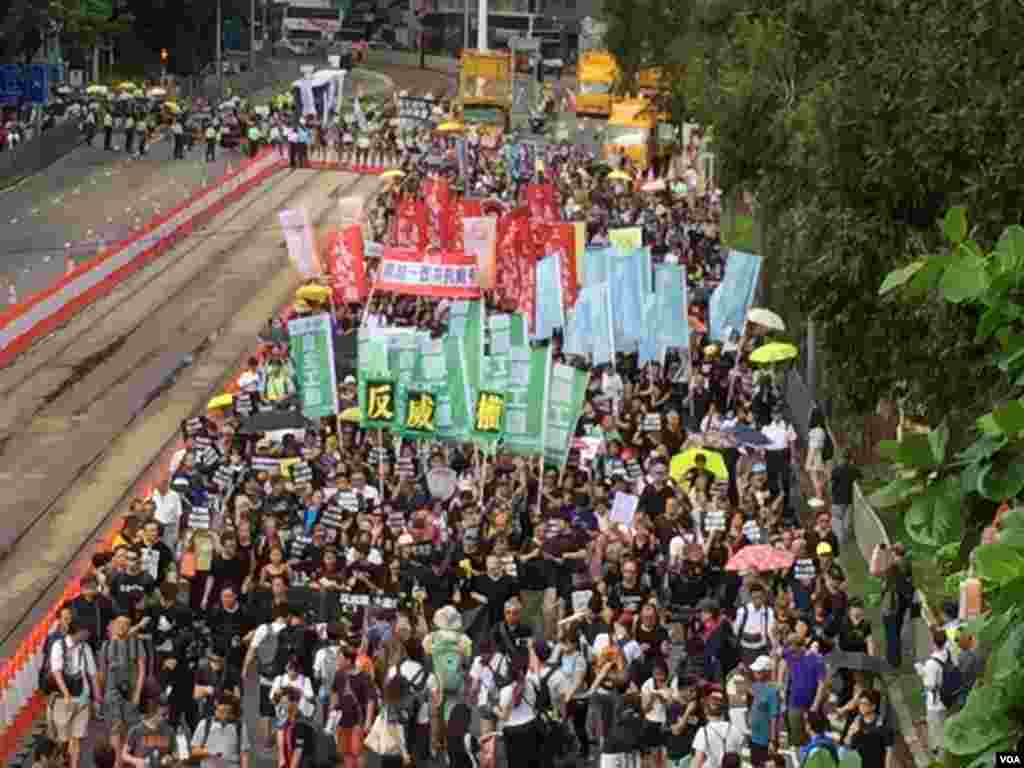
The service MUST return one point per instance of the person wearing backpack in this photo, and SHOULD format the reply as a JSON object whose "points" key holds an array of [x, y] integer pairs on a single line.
{"points": [[45, 682], [417, 686], [293, 678], [122, 672], [222, 739], [73, 669], [943, 683], [272, 656], [718, 738], [353, 709], [820, 741]]}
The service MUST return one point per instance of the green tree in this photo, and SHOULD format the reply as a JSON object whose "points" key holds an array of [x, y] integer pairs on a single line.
{"points": [[86, 25], [644, 33], [942, 490], [854, 127]]}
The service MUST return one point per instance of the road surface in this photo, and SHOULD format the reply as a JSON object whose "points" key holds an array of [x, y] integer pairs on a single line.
{"points": [[91, 197]]}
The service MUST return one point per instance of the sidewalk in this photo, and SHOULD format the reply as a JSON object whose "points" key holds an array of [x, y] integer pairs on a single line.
{"points": [[90, 198]]}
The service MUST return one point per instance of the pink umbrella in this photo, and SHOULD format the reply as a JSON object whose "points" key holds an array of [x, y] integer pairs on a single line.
{"points": [[760, 557]]}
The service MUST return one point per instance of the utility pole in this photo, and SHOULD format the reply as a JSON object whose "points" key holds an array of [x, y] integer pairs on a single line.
{"points": [[465, 22], [252, 35], [220, 52], [481, 30]]}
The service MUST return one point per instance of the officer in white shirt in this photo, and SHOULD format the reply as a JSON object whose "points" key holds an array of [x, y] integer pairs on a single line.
{"points": [[777, 453]]}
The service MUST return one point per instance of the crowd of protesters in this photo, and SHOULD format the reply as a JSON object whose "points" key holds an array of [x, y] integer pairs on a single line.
{"points": [[403, 603]]}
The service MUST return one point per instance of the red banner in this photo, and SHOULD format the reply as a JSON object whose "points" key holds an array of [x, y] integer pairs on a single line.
{"points": [[437, 198], [459, 210], [436, 272], [561, 241], [516, 280], [542, 201], [411, 228], [343, 250]]}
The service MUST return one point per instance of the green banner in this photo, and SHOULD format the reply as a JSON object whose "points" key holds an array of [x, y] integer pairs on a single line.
{"points": [[420, 420], [372, 366], [525, 398], [566, 391], [467, 322], [488, 417], [460, 398], [403, 357], [432, 376], [312, 355]]}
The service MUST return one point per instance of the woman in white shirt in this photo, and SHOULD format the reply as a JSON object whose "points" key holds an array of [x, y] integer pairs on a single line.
{"points": [[655, 696], [518, 715], [817, 437], [293, 678], [484, 675]]}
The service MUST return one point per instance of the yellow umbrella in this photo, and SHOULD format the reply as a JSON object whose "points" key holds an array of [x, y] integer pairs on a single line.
{"points": [[220, 401], [774, 352], [684, 461], [394, 173], [351, 415], [450, 126], [619, 176], [314, 293]]}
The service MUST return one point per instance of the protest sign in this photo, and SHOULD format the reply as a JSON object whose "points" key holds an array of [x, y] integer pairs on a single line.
{"points": [[312, 355], [624, 508]]}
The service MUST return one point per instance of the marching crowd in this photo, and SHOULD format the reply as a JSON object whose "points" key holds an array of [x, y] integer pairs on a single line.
{"points": [[401, 603]]}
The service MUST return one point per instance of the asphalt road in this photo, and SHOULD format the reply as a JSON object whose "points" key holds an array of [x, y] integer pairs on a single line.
{"points": [[92, 197]]}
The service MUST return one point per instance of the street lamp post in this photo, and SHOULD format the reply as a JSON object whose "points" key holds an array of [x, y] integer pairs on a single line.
{"points": [[220, 52], [252, 35], [481, 30]]}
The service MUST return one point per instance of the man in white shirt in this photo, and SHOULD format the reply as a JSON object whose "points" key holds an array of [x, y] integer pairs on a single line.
{"points": [[268, 667], [222, 741], [717, 738], [778, 452], [73, 667], [419, 678], [755, 625], [370, 494], [930, 671]]}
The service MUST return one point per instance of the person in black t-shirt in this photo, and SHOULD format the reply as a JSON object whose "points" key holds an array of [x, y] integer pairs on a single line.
{"points": [[155, 556], [511, 636], [214, 678], [93, 611], [229, 569], [130, 588], [630, 594], [228, 624], [656, 496], [868, 736], [167, 620], [493, 589]]}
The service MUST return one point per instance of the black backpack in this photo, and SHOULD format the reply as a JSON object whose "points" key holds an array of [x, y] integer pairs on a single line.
{"points": [[952, 685], [46, 682], [543, 703], [413, 694], [275, 650]]}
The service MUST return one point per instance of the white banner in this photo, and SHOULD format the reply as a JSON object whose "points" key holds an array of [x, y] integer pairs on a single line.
{"points": [[298, 235], [313, 25], [479, 238]]}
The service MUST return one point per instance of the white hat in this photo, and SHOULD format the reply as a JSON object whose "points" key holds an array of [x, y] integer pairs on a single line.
{"points": [[761, 664], [350, 379], [815, 503]]}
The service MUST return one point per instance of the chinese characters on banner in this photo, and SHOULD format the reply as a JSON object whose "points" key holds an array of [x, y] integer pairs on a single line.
{"points": [[312, 353], [343, 253], [462, 209], [560, 241], [479, 236], [411, 225], [489, 415], [516, 281], [566, 392], [528, 372], [542, 201], [450, 274], [420, 415], [437, 198], [380, 404], [298, 236]]}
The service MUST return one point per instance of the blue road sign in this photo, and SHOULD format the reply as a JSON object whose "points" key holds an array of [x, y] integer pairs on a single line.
{"points": [[18, 82]]}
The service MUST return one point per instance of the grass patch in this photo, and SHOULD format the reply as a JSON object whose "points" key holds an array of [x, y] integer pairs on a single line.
{"points": [[740, 234]]}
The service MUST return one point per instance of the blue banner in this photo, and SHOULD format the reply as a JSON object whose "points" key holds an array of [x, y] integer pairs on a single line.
{"points": [[670, 290], [602, 336], [596, 265], [549, 314], [629, 288], [727, 309]]}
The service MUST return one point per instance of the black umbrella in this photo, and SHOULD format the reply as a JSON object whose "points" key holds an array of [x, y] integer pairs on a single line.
{"points": [[271, 421], [858, 662]]}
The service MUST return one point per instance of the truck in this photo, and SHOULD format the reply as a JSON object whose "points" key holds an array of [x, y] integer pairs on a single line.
{"points": [[632, 132], [595, 76], [485, 92]]}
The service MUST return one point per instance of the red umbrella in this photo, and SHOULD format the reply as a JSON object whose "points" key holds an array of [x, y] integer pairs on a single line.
{"points": [[760, 557]]}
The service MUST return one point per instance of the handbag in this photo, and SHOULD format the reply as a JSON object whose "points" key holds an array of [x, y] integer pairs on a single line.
{"points": [[384, 737]]}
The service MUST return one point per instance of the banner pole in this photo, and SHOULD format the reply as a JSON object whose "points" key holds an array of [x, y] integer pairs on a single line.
{"points": [[369, 303]]}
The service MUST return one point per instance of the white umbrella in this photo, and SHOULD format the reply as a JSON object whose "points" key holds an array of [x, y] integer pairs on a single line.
{"points": [[64, 89], [658, 185], [766, 318], [156, 93]]}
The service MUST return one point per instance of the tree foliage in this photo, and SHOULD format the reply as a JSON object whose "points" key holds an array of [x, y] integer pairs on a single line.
{"points": [[855, 126], [84, 28], [644, 33], [935, 483]]}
